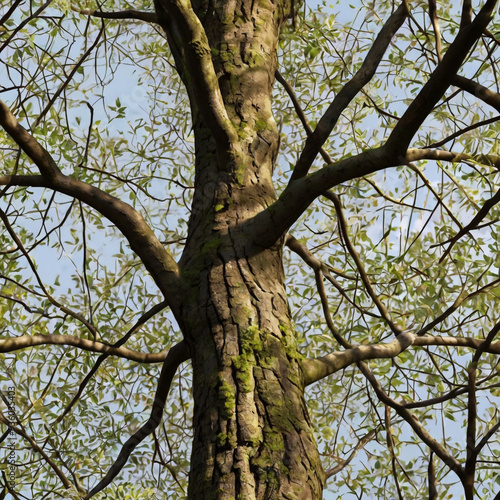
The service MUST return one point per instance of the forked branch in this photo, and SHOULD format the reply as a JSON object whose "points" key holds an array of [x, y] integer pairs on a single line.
{"points": [[441, 78], [328, 121], [140, 236]]}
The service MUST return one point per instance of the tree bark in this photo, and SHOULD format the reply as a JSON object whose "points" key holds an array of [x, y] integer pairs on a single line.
{"points": [[252, 434]]}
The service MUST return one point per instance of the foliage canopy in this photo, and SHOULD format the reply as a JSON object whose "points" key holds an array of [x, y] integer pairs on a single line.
{"points": [[393, 245]]}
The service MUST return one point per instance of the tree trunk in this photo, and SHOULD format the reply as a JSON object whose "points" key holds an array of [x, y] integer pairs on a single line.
{"points": [[252, 433], [253, 437]]}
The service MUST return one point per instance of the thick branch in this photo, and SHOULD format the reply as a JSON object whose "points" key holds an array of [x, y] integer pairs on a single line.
{"points": [[40, 156], [478, 90], [205, 84], [438, 83], [414, 154], [141, 238], [25, 341], [177, 355], [316, 369], [325, 126], [269, 225]]}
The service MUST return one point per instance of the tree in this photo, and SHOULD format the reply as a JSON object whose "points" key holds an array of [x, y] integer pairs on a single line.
{"points": [[331, 238]]}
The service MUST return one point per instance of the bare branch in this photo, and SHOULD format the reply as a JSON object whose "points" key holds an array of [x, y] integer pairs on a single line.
{"points": [[9, 12], [463, 131], [390, 446], [74, 69], [487, 436], [473, 343], [269, 225], [22, 24], [177, 355], [462, 297]]}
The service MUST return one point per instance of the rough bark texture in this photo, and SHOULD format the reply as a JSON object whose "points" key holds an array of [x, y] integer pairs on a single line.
{"points": [[253, 437]]}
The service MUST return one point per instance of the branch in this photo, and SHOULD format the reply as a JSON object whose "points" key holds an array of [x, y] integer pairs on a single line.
{"points": [[431, 479], [477, 219], [138, 325], [435, 25], [54, 302], [177, 355], [205, 84], [149, 17], [9, 12], [427, 340], [319, 368], [40, 156], [462, 297], [419, 429], [487, 436], [478, 90], [414, 154], [18, 429], [269, 225], [438, 83], [25, 341], [466, 17], [140, 236], [328, 121], [359, 446], [463, 131], [359, 264]]}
